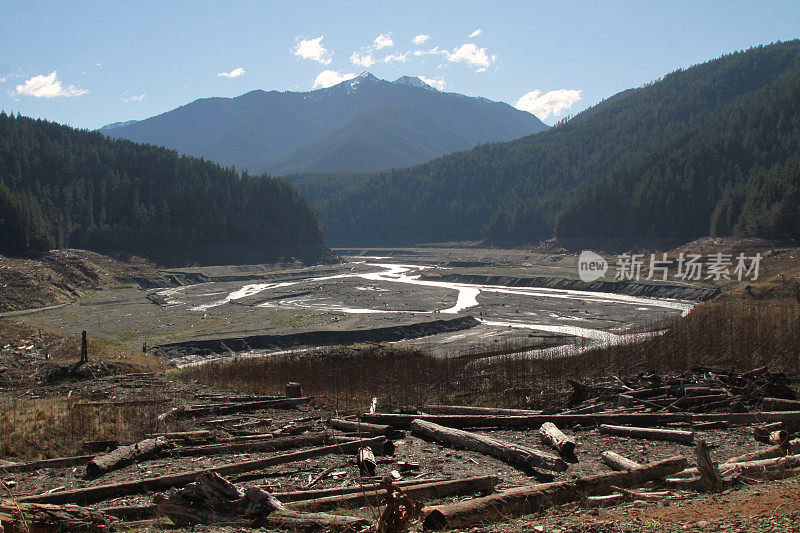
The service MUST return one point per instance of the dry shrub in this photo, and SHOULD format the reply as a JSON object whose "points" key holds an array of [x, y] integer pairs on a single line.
{"points": [[58, 426], [732, 335]]}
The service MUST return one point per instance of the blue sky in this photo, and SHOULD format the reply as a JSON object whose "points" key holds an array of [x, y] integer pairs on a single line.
{"points": [[116, 61]]}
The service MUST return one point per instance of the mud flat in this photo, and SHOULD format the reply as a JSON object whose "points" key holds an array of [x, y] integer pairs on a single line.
{"points": [[511, 299]]}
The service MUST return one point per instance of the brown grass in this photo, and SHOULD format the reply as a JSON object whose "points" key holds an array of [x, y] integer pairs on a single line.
{"points": [[64, 349], [731, 335], [58, 426]]}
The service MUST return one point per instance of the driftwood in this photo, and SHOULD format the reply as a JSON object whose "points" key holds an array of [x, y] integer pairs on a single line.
{"points": [[771, 435], [469, 410], [104, 492], [366, 461], [125, 455], [402, 421], [58, 462], [38, 518], [262, 444], [709, 474], [530, 499], [512, 453], [617, 462], [184, 436], [362, 428], [673, 435], [236, 407], [213, 499], [556, 438], [780, 404], [779, 468], [425, 491]]}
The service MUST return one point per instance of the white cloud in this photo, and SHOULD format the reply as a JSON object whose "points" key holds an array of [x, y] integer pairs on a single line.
{"points": [[362, 59], [401, 58], [98, 65], [235, 73], [553, 102], [432, 52], [329, 78], [420, 39], [475, 33], [3, 79], [434, 82], [47, 86], [470, 54], [313, 49], [482, 69], [136, 98], [382, 41]]}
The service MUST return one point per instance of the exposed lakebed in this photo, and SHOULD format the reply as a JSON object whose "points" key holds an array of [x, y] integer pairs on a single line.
{"points": [[450, 301]]}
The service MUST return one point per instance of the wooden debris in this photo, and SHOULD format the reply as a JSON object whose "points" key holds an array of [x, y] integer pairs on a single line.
{"points": [[469, 410], [709, 474], [400, 509], [125, 455], [530, 499], [780, 404], [556, 438], [38, 518], [512, 453], [261, 444], [294, 390], [213, 499], [104, 492], [673, 435], [362, 428], [366, 461], [424, 491], [617, 462], [402, 421], [236, 407], [58, 462]]}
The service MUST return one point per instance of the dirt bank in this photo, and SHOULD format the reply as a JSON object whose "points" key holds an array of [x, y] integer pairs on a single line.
{"points": [[179, 352], [652, 290]]}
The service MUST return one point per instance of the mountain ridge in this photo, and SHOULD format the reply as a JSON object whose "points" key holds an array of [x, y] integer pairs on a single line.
{"points": [[278, 132]]}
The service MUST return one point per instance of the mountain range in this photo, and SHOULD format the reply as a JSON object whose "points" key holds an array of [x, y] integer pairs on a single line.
{"points": [[711, 149], [362, 124]]}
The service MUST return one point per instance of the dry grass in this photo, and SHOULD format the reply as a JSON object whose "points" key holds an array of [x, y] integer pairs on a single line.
{"points": [[65, 349], [731, 335], [58, 426]]}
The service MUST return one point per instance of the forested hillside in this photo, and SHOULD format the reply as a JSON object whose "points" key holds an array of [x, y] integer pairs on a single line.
{"points": [[710, 149], [72, 188]]}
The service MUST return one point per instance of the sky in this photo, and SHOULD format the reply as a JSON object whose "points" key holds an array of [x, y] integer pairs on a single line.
{"points": [[88, 64]]}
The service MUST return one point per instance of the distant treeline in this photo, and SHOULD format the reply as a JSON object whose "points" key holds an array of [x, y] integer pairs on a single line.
{"points": [[713, 149], [62, 187]]}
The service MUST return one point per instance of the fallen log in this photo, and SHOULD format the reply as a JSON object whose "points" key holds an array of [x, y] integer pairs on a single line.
{"points": [[403, 421], [142, 512], [767, 435], [556, 438], [197, 435], [252, 445], [509, 452], [469, 410], [226, 408], [618, 462], [771, 469], [530, 499], [365, 460], [58, 462], [38, 518], [766, 453], [362, 428], [126, 455], [780, 404], [213, 499], [673, 435], [422, 491], [155, 484], [315, 522]]}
